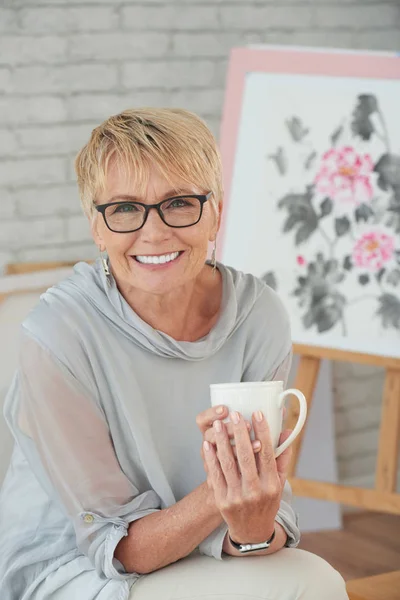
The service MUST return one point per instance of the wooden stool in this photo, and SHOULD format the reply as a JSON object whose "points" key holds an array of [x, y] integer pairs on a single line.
{"points": [[379, 587]]}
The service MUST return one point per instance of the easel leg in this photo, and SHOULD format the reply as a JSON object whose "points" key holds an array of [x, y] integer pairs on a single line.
{"points": [[389, 436], [306, 379]]}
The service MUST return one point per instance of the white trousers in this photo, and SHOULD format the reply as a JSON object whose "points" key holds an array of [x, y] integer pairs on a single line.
{"points": [[289, 574]]}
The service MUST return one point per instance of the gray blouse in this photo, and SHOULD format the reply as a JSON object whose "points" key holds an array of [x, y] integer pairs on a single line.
{"points": [[102, 409]]}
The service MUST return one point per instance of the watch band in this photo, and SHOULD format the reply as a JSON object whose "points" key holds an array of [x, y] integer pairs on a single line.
{"points": [[244, 548]]}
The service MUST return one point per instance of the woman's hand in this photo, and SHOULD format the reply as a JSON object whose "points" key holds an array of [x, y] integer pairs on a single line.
{"points": [[248, 490], [205, 421]]}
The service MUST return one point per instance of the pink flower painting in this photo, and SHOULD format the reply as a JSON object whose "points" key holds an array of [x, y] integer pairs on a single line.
{"points": [[373, 250], [343, 219], [345, 176]]}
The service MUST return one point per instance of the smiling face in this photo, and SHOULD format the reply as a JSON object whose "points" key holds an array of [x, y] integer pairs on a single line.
{"points": [[157, 258]]}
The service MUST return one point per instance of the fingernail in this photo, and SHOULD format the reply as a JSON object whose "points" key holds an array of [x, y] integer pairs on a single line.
{"points": [[248, 425], [259, 416], [235, 417], [256, 445], [217, 426], [206, 446], [219, 410]]}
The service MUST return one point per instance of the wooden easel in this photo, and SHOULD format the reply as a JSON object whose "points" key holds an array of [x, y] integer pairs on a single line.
{"points": [[383, 497]]}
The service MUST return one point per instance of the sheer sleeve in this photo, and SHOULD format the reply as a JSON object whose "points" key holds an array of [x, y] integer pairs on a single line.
{"points": [[65, 437], [283, 370]]}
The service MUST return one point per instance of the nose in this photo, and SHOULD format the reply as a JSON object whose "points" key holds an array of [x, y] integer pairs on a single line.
{"points": [[154, 230]]}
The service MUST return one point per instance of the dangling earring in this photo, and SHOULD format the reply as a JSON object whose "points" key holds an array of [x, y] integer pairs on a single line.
{"points": [[106, 270], [214, 257]]}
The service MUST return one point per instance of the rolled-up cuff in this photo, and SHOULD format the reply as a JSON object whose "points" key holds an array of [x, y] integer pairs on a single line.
{"points": [[212, 545], [111, 567], [105, 535], [291, 528]]}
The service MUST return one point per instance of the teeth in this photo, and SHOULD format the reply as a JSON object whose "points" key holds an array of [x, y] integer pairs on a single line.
{"points": [[157, 260]]}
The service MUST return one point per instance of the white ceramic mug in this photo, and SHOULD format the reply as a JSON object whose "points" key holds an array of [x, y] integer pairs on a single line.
{"points": [[267, 396]]}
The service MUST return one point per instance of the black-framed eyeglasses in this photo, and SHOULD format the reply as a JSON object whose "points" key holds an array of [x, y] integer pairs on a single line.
{"points": [[178, 211]]}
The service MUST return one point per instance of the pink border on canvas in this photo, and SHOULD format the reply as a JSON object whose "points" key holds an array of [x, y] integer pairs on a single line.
{"points": [[305, 62]]}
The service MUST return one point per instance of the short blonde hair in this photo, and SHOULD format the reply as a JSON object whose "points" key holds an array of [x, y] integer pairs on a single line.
{"points": [[176, 140]]}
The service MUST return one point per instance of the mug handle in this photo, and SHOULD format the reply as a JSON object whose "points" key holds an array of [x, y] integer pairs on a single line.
{"points": [[300, 421]]}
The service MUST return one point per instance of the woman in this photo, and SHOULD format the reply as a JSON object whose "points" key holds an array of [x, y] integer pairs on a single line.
{"points": [[110, 404]]}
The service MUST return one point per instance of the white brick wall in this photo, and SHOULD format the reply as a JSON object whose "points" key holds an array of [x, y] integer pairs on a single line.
{"points": [[44, 19], [65, 65]]}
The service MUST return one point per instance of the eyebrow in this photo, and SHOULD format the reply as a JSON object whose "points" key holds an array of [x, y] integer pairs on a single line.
{"points": [[169, 194]]}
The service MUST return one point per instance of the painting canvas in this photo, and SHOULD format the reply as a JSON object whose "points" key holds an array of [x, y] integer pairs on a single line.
{"points": [[311, 150]]}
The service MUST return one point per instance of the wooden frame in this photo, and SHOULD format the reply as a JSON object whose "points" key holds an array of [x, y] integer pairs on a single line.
{"points": [[23, 268], [30, 269], [384, 497]]}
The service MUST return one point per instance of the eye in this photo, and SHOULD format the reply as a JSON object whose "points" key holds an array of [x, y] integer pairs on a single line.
{"points": [[180, 202], [177, 203], [125, 208]]}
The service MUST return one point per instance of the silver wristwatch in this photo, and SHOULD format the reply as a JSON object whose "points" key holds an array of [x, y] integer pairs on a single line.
{"points": [[244, 548]]}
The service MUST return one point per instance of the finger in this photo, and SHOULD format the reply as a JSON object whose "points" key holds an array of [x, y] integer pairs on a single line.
{"points": [[244, 449], [209, 435], [210, 487], [226, 457], [266, 456], [205, 419], [215, 476], [203, 459], [283, 461], [255, 444]]}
